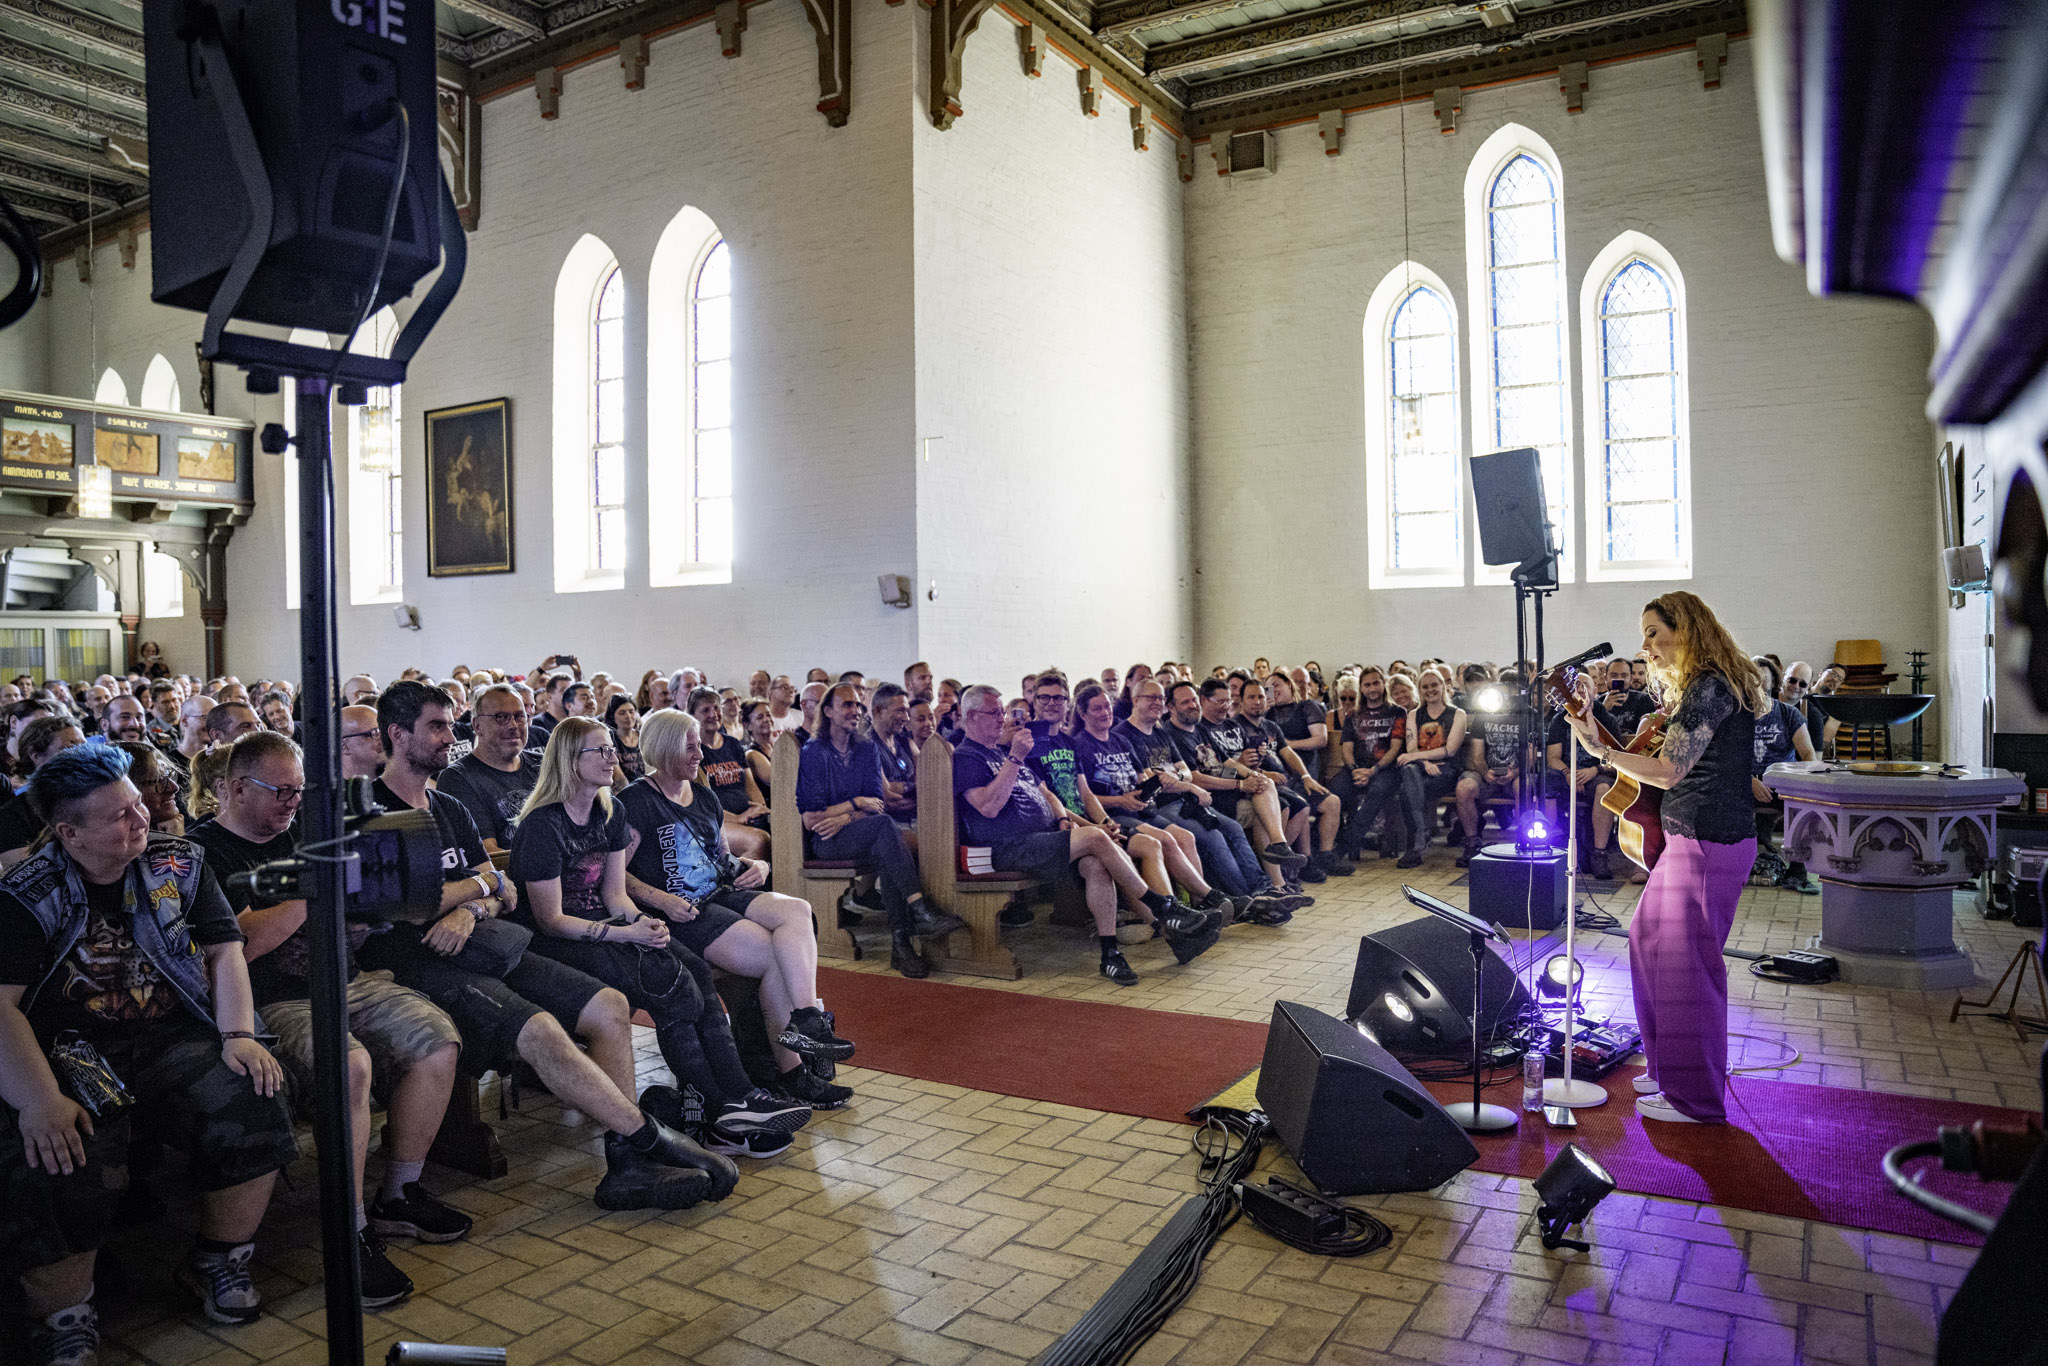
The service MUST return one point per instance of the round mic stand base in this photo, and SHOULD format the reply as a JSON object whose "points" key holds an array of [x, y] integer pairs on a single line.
{"points": [[1578, 1094], [1478, 1117]]}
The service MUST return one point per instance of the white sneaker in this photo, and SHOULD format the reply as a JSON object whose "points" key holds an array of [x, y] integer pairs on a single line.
{"points": [[1656, 1107], [1646, 1085]]}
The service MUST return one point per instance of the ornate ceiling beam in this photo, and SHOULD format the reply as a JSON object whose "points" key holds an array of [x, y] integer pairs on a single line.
{"points": [[97, 86], [88, 31], [517, 16], [1119, 69], [56, 112], [105, 228], [65, 155], [1190, 58], [566, 49], [1369, 76], [58, 212], [21, 175]]}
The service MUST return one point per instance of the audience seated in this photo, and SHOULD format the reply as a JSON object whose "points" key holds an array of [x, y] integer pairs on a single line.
{"points": [[1374, 737], [1430, 763], [889, 723], [20, 824], [842, 798], [1781, 735], [1498, 746], [1285, 766], [161, 991], [1237, 792], [731, 778], [492, 781]]}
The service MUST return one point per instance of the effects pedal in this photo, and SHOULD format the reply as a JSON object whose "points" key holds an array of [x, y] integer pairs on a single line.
{"points": [[1597, 1049]]}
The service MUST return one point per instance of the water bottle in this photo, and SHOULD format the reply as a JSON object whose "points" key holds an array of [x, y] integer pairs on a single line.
{"points": [[1532, 1080]]}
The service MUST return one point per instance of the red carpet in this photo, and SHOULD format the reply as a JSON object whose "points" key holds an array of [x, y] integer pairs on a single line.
{"points": [[1807, 1152]]}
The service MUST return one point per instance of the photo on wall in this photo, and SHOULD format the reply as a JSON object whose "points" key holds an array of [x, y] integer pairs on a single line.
{"points": [[201, 457], [469, 489], [128, 452], [35, 443]]}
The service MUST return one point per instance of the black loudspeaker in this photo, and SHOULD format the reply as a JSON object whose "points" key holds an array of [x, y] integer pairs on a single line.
{"points": [[1413, 989], [320, 83], [1518, 890], [1354, 1120], [1514, 521]]}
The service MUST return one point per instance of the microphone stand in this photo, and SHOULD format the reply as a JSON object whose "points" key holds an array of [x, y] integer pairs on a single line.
{"points": [[1563, 1090]]}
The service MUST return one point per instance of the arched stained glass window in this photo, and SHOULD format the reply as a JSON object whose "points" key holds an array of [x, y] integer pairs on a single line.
{"points": [[608, 425], [1526, 318], [1641, 399], [711, 409], [1422, 435]]}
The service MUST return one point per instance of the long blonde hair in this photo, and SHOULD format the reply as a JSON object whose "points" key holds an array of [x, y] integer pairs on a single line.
{"points": [[1703, 646], [558, 765]]}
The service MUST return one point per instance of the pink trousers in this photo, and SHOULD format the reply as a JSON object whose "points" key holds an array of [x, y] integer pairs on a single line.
{"points": [[1680, 978]]}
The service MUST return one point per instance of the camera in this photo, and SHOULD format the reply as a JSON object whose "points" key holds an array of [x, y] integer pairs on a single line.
{"points": [[393, 857]]}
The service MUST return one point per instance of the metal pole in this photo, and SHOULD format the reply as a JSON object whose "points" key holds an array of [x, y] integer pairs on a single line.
{"points": [[1563, 1090], [325, 885]]}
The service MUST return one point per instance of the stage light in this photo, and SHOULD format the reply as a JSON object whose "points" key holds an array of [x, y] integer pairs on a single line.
{"points": [[1560, 976], [1364, 1032], [1569, 1188], [1491, 698], [1536, 830], [1398, 1008]]}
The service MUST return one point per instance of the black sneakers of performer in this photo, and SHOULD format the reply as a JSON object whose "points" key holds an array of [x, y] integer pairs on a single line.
{"points": [[418, 1215], [809, 1035], [383, 1283]]}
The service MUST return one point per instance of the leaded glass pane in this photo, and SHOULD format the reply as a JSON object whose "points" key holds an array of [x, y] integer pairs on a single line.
{"points": [[714, 463], [1642, 471], [1637, 344], [1526, 296], [714, 394], [714, 530], [1529, 417], [1526, 355], [1424, 540], [611, 411], [1522, 181], [1642, 531], [1422, 474], [1640, 407], [1639, 392], [1524, 235], [714, 278], [714, 329], [1638, 288]]}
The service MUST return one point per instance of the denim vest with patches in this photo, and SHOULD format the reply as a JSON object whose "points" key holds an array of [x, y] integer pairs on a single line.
{"points": [[157, 890]]}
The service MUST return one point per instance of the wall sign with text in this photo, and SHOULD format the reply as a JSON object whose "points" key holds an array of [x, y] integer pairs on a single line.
{"points": [[155, 457]]}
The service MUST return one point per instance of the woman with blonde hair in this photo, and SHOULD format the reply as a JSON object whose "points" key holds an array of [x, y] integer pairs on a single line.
{"points": [[569, 858], [1714, 693]]}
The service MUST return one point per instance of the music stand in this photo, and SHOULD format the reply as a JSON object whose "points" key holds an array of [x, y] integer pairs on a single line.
{"points": [[1475, 1116], [1563, 1090]]}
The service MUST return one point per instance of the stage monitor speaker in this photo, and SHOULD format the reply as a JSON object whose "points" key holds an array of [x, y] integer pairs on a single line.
{"points": [[1514, 521], [1413, 989], [1522, 891], [1353, 1118]]}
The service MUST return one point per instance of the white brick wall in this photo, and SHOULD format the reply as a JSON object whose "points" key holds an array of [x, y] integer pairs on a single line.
{"points": [[1813, 507], [1051, 365]]}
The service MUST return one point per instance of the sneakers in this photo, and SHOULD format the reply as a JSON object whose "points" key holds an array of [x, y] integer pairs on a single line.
{"points": [[1284, 854], [418, 1215], [1178, 917], [675, 1149], [221, 1281], [761, 1110], [1188, 947], [851, 912], [757, 1144], [804, 1084], [1312, 871], [1794, 879], [1646, 1085], [1269, 911], [383, 1283], [1117, 970], [809, 1035], [69, 1337], [1598, 866], [1411, 859], [633, 1180], [1335, 864], [1658, 1108], [1465, 854]]}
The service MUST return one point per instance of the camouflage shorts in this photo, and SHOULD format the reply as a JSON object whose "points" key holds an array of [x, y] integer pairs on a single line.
{"points": [[185, 1097], [396, 1025]]}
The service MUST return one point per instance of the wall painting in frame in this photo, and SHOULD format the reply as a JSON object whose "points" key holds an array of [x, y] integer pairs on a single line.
{"points": [[469, 489]]}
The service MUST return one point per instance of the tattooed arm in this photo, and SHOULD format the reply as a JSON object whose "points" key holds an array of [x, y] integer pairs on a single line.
{"points": [[1705, 706]]}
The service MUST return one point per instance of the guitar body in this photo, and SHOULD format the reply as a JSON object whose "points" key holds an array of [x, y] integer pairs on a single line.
{"points": [[1637, 806]]}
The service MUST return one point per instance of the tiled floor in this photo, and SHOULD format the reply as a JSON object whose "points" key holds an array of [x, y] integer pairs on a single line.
{"points": [[934, 1225]]}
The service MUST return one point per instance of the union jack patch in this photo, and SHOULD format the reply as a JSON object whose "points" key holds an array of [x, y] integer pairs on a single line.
{"points": [[170, 861]]}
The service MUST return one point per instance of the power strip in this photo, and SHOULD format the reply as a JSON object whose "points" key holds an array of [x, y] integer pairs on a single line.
{"points": [[1290, 1213], [1800, 966]]}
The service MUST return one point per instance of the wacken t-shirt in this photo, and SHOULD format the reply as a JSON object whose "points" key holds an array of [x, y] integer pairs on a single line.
{"points": [[1501, 733], [1374, 730], [1054, 761], [975, 766]]}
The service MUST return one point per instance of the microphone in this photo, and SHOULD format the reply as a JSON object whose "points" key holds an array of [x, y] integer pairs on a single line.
{"points": [[1600, 651]]}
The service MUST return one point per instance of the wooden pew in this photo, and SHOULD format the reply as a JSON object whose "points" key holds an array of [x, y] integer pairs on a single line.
{"points": [[975, 899], [796, 874]]}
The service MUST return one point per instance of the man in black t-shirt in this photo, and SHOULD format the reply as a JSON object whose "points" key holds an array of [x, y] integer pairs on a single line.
{"points": [[1499, 743], [889, 720], [400, 1043], [125, 938], [493, 779], [1368, 777], [1230, 784], [1285, 764], [528, 1011]]}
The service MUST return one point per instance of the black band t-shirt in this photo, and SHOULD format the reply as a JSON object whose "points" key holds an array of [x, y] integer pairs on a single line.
{"points": [[551, 845]]}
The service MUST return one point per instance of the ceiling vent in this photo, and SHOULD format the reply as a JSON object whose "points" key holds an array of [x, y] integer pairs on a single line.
{"points": [[1498, 15], [1251, 154]]}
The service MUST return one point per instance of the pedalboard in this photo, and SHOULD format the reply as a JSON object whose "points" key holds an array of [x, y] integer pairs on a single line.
{"points": [[1800, 966]]}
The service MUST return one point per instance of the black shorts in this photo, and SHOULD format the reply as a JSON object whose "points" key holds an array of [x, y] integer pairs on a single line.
{"points": [[186, 1097], [1291, 799], [716, 914], [490, 1012], [1045, 855]]}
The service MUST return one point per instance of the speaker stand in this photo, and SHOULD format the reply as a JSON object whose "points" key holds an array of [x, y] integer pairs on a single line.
{"points": [[1476, 1116], [1563, 1090]]}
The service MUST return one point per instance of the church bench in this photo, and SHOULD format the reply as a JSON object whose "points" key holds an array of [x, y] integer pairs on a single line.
{"points": [[976, 898], [794, 872]]}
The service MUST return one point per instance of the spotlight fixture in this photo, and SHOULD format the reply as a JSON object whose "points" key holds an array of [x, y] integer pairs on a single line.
{"points": [[1569, 1188], [1561, 977], [1398, 1008], [1492, 697], [1536, 829]]}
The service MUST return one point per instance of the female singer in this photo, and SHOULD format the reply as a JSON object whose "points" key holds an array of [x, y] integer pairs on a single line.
{"points": [[1674, 958]]}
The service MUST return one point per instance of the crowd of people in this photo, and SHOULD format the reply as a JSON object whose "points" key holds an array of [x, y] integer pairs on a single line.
{"points": [[604, 852]]}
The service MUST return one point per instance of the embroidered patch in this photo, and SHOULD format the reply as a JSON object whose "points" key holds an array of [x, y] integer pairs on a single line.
{"points": [[170, 861]]}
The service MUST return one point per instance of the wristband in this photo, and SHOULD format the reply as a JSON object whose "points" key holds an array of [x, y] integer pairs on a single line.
{"points": [[227, 1034]]}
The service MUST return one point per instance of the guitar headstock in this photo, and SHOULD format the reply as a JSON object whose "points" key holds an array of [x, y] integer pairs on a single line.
{"points": [[1559, 685]]}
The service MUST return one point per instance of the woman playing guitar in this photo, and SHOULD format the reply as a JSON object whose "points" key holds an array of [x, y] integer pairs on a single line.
{"points": [[1714, 694]]}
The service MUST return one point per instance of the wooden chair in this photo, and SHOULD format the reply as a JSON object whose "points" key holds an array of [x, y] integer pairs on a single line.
{"points": [[977, 898], [795, 873]]}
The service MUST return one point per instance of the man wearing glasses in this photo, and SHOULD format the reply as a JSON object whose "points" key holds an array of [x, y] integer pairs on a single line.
{"points": [[362, 754], [492, 780], [400, 1043]]}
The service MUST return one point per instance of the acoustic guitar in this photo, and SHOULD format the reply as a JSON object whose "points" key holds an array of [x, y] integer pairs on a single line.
{"points": [[1637, 806]]}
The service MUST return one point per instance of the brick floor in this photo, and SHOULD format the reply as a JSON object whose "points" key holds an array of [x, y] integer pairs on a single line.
{"points": [[947, 1227]]}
